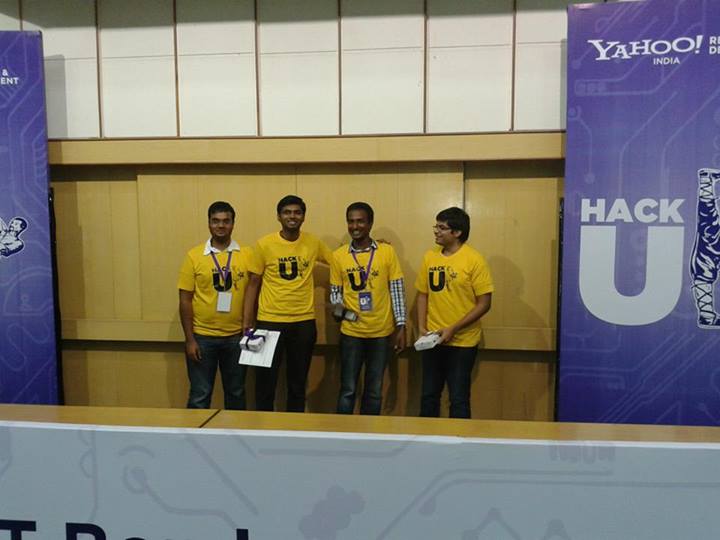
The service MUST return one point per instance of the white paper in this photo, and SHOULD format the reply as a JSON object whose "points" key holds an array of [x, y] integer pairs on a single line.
{"points": [[263, 357]]}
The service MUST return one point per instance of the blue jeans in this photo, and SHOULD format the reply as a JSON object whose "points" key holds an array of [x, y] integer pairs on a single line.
{"points": [[354, 351], [453, 365], [222, 351], [296, 343]]}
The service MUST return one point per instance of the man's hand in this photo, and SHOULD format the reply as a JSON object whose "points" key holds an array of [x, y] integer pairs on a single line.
{"points": [[192, 350], [446, 334], [399, 344], [247, 329]]}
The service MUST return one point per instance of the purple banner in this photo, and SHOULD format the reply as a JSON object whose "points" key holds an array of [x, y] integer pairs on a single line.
{"points": [[640, 309], [28, 366]]}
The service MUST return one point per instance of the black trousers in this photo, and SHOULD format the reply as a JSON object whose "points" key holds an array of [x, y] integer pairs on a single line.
{"points": [[296, 343], [451, 365]]}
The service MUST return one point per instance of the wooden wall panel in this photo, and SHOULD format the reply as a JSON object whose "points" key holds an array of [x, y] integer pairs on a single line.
{"points": [[170, 223], [89, 377], [506, 385], [253, 193], [173, 219], [85, 247], [155, 378], [123, 231], [515, 225], [292, 150], [125, 254], [514, 385], [127, 375], [97, 248]]}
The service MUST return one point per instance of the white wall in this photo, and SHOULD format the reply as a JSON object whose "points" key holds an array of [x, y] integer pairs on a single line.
{"points": [[469, 65], [298, 67], [216, 67], [382, 66], [540, 54], [158, 68]]}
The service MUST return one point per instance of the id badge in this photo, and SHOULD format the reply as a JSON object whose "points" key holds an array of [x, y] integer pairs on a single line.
{"points": [[365, 300], [224, 301]]}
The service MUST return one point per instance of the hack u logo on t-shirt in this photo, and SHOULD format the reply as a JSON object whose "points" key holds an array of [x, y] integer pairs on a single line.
{"points": [[436, 278], [288, 268], [218, 283], [356, 281]]}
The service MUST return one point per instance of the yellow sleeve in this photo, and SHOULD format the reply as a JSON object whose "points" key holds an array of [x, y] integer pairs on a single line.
{"points": [[325, 254], [186, 281], [421, 283], [395, 271], [247, 254], [481, 279], [335, 272], [256, 261]]}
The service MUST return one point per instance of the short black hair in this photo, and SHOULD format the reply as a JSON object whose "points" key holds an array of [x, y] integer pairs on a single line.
{"points": [[457, 219], [365, 207], [287, 200], [221, 206]]}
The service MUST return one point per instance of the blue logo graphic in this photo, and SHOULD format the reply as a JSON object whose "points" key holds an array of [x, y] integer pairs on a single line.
{"points": [[705, 257], [10, 242]]}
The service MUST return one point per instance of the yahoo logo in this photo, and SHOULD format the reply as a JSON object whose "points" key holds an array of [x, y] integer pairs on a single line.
{"points": [[616, 50]]}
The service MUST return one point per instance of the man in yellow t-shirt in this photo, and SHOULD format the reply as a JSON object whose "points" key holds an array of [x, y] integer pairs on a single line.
{"points": [[367, 285], [454, 291], [283, 263], [212, 285]]}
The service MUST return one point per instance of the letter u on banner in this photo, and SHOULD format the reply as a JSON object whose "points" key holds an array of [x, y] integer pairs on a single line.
{"points": [[663, 276]]}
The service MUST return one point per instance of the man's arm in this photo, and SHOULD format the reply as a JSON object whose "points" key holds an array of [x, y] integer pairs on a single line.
{"points": [[250, 301], [399, 340], [192, 350], [422, 303], [397, 298], [481, 307], [325, 254]]}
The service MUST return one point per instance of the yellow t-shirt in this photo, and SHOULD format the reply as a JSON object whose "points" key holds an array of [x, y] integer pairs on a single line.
{"points": [[199, 275], [452, 284], [287, 292], [346, 273]]}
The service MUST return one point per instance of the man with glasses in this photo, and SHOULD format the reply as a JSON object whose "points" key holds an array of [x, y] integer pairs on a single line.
{"points": [[454, 291]]}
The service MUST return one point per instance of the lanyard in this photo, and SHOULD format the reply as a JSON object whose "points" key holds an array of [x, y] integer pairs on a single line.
{"points": [[226, 273], [364, 274]]}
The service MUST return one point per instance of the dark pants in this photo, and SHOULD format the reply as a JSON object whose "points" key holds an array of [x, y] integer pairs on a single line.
{"points": [[296, 341], [453, 365], [223, 351], [354, 351]]}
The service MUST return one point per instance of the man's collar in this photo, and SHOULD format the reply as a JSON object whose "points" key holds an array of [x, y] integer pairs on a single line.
{"points": [[234, 246], [352, 249]]}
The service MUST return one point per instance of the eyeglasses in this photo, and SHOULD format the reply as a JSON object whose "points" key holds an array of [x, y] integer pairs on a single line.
{"points": [[442, 228]]}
